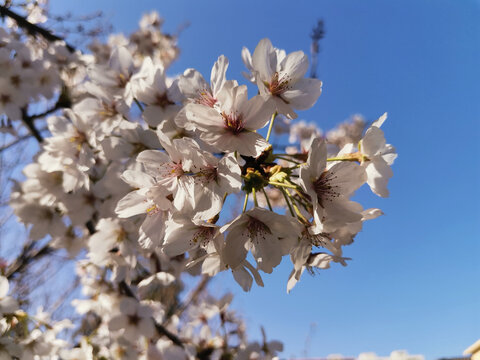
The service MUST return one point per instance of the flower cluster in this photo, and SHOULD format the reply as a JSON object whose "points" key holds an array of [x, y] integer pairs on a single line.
{"points": [[134, 182]]}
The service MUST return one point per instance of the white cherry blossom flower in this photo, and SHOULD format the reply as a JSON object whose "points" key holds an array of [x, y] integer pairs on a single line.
{"points": [[281, 77], [380, 156], [231, 127], [135, 319], [268, 235], [330, 187]]}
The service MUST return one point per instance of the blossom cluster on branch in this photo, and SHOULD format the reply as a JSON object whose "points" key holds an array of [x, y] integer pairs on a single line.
{"points": [[133, 182]]}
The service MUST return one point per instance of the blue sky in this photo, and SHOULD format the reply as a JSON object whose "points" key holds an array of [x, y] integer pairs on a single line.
{"points": [[413, 281]]}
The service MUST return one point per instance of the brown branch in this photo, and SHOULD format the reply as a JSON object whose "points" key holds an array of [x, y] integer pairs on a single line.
{"points": [[32, 29], [29, 253], [29, 123], [202, 284]]}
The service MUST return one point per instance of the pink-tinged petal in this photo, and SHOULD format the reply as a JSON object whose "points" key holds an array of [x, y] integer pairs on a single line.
{"points": [[257, 112], [264, 59], [378, 174], [132, 204], [295, 65], [218, 75], [304, 93]]}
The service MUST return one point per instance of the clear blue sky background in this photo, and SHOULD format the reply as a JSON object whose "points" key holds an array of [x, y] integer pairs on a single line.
{"points": [[414, 280]]}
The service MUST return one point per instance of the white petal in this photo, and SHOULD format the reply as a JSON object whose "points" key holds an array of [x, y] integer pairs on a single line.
{"points": [[235, 251], [132, 204], [295, 65], [218, 75], [3, 286], [243, 278], [373, 141], [137, 179], [304, 93], [378, 174], [264, 59], [379, 122], [257, 112]]}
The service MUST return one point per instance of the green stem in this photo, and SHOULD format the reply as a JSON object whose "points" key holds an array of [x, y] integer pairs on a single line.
{"points": [[287, 201], [290, 186], [254, 193], [268, 200], [297, 210], [270, 127], [286, 159], [245, 203]]}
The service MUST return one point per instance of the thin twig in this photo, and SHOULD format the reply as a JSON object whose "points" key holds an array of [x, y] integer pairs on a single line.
{"points": [[32, 29]]}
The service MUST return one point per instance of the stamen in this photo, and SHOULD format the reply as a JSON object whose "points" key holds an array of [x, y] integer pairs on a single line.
{"points": [[233, 122], [324, 189], [278, 85], [203, 236], [257, 229], [206, 98], [169, 170]]}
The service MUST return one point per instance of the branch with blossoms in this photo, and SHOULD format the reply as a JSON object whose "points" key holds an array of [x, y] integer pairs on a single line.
{"points": [[136, 179]]}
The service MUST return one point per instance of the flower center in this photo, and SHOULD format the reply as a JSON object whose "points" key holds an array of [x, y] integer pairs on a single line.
{"points": [[203, 235], [278, 85], [170, 170], [207, 175], [233, 122], [257, 229], [324, 189], [206, 98], [163, 101]]}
